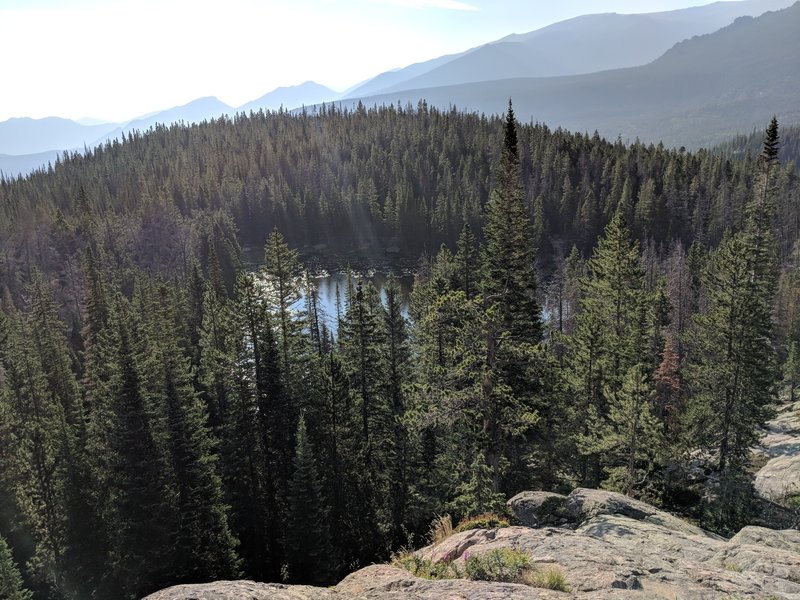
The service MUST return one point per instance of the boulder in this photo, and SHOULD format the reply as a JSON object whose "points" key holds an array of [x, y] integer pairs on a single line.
{"points": [[779, 478], [583, 504], [787, 539], [537, 509], [778, 455]]}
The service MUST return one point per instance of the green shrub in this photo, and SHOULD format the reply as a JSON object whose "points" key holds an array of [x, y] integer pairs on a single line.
{"points": [[502, 564], [484, 521], [426, 569], [551, 578]]}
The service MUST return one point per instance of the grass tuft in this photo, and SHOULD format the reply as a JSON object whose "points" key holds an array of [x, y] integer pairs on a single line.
{"points": [[504, 565], [441, 528], [484, 521]]}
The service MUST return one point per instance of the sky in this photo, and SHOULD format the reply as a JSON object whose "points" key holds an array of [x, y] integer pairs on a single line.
{"points": [[119, 59]]}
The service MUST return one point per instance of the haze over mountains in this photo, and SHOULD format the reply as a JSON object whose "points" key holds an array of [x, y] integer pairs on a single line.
{"points": [[699, 93], [618, 74], [585, 44]]}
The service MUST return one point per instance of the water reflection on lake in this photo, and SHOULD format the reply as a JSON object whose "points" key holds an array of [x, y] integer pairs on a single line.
{"points": [[328, 285]]}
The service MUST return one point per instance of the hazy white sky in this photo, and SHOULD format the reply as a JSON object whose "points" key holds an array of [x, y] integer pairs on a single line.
{"points": [[117, 59]]}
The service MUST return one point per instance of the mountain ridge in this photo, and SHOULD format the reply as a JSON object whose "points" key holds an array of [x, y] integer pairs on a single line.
{"points": [[585, 44], [441, 81], [701, 92]]}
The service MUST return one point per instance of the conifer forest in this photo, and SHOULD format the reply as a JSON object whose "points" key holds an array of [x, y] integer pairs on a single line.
{"points": [[584, 312]]}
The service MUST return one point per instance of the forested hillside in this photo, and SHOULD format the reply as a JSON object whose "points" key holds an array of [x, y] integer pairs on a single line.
{"points": [[750, 145], [584, 313]]}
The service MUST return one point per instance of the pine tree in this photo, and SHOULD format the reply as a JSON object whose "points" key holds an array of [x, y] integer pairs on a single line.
{"points": [[282, 270], [734, 371], [260, 356], [37, 429], [370, 442], [478, 495], [242, 461], [634, 436], [205, 547], [10, 579], [397, 374], [309, 549], [143, 500], [509, 278], [361, 340], [609, 338], [467, 261], [732, 374], [513, 317], [215, 354]]}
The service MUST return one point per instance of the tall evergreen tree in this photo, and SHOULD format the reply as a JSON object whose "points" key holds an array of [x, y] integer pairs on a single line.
{"points": [[732, 372], [143, 499], [310, 553], [634, 436], [205, 548], [397, 374], [513, 319], [608, 339], [38, 431], [467, 261], [10, 579], [259, 355], [509, 276]]}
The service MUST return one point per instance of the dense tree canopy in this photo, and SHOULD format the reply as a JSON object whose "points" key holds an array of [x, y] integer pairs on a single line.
{"points": [[583, 312]]}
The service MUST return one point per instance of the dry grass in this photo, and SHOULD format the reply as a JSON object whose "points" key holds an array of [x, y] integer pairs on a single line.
{"points": [[441, 528], [548, 578]]}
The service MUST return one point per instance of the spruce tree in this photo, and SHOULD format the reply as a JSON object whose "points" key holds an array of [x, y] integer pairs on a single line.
{"points": [[259, 355], [732, 373], [242, 462], [282, 271], [204, 547], [37, 430], [467, 260], [477, 495], [143, 499], [609, 338], [397, 374], [633, 437], [734, 369], [513, 319], [309, 549], [11, 587], [509, 276]]}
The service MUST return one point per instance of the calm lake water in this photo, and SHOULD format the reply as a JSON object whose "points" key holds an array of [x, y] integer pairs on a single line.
{"points": [[328, 285]]}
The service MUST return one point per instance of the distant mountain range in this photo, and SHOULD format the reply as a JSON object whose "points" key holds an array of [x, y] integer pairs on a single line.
{"points": [[585, 44], [699, 93], [586, 73], [307, 93]]}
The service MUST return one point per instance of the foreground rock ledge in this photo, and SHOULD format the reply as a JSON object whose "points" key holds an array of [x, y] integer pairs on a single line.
{"points": [[606, 544]]}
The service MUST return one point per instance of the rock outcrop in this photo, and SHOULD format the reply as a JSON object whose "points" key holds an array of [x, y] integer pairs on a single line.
{"points": [[779, 477], [607, 546]]}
